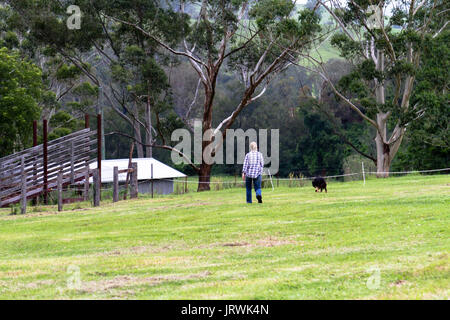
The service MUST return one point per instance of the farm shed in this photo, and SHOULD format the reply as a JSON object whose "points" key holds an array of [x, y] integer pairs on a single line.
{"points": [[163, 175]]}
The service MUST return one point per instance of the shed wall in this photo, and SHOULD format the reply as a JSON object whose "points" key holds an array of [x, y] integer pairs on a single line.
{"points": [[159, 186]]}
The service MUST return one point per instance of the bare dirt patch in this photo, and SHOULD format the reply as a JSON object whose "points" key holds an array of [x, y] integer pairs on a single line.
{"points": [[37, 284], [183, 205], [152, 249], [274, 242], [399, 283], [236, 244], [138, 250], [127, 281], [29, 215], [265, 242]]}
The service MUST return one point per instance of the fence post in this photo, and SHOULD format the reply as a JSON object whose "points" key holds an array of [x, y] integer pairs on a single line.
{"points": [[86, 121], [34, 133], [23, 209], [45, 146], [364, 174], [35, 137], [130, 159], [60, 198], [99, 148], [152, 178], [1, 182], [186, 184], [86, 183], [97, 188], [134, 181], [116, 185]]}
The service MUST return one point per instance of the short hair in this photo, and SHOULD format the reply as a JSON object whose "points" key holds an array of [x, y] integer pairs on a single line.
{"points": [[253, 146]]}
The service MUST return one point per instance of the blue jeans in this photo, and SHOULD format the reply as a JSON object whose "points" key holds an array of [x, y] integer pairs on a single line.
{"points": [[257, 184]]}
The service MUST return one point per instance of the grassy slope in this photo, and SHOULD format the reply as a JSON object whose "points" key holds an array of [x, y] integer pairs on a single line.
{"points": [[297, 245]]}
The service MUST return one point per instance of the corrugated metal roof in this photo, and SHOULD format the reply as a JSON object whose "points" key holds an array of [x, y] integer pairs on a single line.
{"points": [[160, 170]]}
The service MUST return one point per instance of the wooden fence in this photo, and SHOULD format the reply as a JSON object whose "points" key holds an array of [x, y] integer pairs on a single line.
{"points": [[33, 172]]}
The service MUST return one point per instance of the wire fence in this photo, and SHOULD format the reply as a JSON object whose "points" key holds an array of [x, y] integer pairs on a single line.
{"points": [[292, 181], [75, 198]]}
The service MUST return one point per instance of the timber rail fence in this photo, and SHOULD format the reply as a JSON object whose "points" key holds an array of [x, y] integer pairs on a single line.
{"points": [[32, 172], [54, 165]]}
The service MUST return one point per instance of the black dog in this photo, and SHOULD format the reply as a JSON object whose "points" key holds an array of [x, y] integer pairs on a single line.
{"points": [[319, 183]]}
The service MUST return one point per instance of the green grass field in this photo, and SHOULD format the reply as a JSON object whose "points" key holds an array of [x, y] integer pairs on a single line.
{"points": [[389, 239]]}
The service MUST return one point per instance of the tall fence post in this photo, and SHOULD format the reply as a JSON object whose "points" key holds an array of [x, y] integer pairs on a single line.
{"points": [[186, 184], [45, 146], [152, 178], [35, 137], [97, 187], [86, 121], [60, 197], [99, 147], [130, 160], [134, 181], [23, 208], [116, 185], [1, 182], [34, 133], [86, 183]]}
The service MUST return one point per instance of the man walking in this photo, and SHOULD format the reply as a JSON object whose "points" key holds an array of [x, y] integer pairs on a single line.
{"points": [[252, 172]]}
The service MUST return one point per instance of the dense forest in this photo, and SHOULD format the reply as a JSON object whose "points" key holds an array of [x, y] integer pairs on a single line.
{"points": [[151, 67]]}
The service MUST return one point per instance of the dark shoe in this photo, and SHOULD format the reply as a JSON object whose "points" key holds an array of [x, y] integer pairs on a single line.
{"points": [[259, 199]]}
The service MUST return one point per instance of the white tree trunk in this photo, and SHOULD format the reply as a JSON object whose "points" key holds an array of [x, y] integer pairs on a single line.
{"points": [[137, 136], [383, 151], [139, 148]]}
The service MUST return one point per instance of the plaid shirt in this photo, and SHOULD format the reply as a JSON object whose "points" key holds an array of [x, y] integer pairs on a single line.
{"points": [[253, 164]]}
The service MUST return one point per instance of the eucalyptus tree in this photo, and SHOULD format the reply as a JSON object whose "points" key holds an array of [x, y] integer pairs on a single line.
{"points": [[120, 63], [428, 139], [254, 39], [137, 63], [59, 78], [387, 55]]}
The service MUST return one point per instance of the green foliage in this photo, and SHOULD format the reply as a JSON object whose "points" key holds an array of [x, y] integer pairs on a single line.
{"points": [[20, 91], [353, 84], [410, 51], [321, 151], [348, 48], [62, 124], [86, 89], [428, 137], [66, 72], [9, 40], [267, 12]]}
